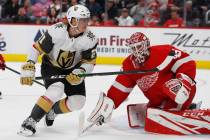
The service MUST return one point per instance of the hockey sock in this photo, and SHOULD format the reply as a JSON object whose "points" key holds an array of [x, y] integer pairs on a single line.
{"points": [[42, 106], [61, 107]]}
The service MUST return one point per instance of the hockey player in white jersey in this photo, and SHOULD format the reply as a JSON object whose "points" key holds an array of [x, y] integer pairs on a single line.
{"points": [[68, 49]]}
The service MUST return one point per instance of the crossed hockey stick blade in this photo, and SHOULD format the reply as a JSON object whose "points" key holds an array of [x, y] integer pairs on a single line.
{"points": [[82, 128]]}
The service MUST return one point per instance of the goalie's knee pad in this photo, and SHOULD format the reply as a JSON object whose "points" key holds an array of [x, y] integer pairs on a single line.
{"points": [[76, 102], [136, 115], [55, 91]]}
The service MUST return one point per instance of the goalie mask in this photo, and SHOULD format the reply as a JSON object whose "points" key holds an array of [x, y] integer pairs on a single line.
{"points": [[139, 45], [76, 14]]}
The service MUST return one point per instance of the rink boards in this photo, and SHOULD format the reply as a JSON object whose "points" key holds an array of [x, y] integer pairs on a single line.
{"points": [[15, 41]]}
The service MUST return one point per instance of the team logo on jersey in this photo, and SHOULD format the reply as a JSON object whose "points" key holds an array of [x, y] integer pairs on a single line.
{"points": [[91, 36], [65, 58], [147, 81]]}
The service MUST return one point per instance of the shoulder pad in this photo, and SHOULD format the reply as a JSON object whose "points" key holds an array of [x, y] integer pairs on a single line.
{"points": [[90, 38], [57, 30]]}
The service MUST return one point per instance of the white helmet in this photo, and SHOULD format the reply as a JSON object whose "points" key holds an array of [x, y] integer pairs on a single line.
{"points": [[77, 12]]}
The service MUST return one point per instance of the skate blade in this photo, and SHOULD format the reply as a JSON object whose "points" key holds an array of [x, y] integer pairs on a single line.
{"points": [[25, 132], [81, 123]]}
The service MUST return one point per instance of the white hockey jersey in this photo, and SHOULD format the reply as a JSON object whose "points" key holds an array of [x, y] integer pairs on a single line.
{"points": [[64, 51]]}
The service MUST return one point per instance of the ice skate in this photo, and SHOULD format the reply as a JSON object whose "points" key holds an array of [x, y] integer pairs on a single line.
{"points": [[28, 128], [195, 105], [49, 118]]}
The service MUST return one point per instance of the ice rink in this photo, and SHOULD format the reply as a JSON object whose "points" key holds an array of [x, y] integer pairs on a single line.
{"points": [[17, 102]]}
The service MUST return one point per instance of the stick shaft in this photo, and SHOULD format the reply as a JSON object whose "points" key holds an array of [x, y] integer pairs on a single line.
{"points": [[101, 74], [119, 72]]}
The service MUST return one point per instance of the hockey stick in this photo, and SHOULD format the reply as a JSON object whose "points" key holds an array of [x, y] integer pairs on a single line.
{"points": [[82, 128], [100, 74], [19, 74], [167, 60]]}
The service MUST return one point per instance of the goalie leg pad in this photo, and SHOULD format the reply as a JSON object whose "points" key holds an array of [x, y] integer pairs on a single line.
{"points": [[104, 108], [177, 122], [136, 115]]}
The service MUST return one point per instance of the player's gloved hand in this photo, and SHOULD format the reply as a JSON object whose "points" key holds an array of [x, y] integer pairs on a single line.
{"points": [[179, 89], [103, 111], [2, 63], [27, 73], [73, 78]]}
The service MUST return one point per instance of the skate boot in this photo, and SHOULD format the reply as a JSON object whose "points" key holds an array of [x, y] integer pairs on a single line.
{"points": [[28, 128], [49, 118], [195, 105]]}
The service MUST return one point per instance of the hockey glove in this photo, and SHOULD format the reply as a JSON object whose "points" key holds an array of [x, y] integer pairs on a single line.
{"points": [[103, 109], [179, 89], [73, 77], [27, 73]]}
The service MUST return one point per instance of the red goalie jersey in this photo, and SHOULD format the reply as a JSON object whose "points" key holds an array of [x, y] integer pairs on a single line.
{"points": [[153, 84], [170, 90]]}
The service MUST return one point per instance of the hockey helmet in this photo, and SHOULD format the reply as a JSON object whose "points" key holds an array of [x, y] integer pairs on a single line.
{"points": [[139, 44], [77, 12]]}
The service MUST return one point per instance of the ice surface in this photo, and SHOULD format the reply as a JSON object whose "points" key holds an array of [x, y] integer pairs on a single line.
{"points": [[18, 101]]}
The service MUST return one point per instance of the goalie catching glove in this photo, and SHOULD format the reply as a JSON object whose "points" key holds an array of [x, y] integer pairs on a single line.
{"points": [[179, 89], [27, 73], [104, 109], [73, 78]]}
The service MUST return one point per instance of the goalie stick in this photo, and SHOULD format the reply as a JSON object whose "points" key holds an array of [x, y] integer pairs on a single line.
{"points": [[82, 128], [167, 60]]}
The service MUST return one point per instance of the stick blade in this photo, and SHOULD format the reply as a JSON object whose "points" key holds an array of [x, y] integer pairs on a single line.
{"points": [[81, 123]]}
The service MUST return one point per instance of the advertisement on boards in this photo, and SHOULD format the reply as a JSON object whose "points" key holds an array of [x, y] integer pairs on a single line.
{"points": [[17, 39]]}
